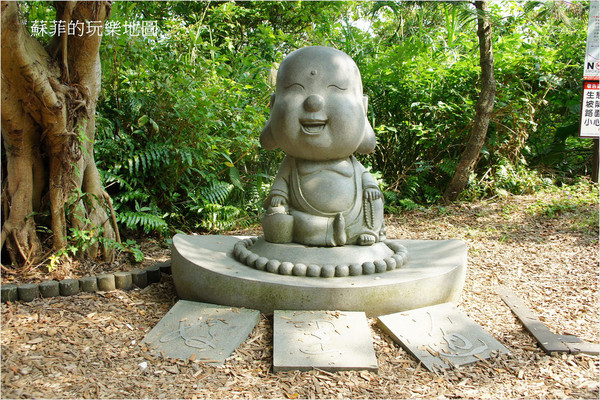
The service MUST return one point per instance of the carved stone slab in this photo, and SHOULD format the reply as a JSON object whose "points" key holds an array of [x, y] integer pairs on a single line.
{"points": [[547, 340], [209, 331], [440, 336], [328, 340]]}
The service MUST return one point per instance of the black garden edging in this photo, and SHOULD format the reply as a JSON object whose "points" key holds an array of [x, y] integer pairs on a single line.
{"points": [[125, 280]]}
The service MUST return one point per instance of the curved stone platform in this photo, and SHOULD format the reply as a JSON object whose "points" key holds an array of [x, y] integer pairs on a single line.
{"points": [[204, 269]]}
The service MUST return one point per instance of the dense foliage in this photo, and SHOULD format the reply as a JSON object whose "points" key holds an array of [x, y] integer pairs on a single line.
{"points": [[182, 109], [423, 83]]}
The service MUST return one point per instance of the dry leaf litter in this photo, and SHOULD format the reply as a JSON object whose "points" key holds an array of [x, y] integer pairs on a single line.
{"points": [[87, 346]]}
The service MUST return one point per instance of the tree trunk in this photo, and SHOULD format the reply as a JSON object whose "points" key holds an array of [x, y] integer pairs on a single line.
{"points": [[484, 107], [49, 100]]}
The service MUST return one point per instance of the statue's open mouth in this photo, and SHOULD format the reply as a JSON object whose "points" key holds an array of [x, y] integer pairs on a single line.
{"points": [[313, 126]]}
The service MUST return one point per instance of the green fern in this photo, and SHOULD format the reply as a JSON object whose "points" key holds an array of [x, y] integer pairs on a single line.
{"points": [[109, 178], [390, 197], [187, 156], [431, 194], [134, 195], [143, 219], [218, 217], [216, 192], [141, 162], [135, 105], [448, 166], [408, 204], [411, 186]]}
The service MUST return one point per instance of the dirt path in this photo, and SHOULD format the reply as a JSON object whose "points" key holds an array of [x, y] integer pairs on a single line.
{"points": [[543, 247]]}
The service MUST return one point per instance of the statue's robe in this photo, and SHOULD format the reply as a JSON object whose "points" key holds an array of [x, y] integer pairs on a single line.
{"points": [[326, 197]]}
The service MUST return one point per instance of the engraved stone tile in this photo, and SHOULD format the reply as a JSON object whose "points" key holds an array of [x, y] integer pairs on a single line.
{"points": [[209, 331], [329, 340], [440, 336]]}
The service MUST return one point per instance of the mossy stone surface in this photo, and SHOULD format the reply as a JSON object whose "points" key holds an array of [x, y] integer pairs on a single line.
{"points": [[123, 280], [139, 278], [9, 293], [69, 287], [88, 284], [106, 282], [28, 291], [49, 289]]}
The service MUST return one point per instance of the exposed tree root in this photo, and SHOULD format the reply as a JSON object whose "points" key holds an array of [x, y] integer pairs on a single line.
{"points": [[48, 105]]}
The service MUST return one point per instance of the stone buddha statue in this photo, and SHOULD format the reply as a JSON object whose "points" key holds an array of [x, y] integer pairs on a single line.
{"points": [[322, 195], [323, 215]]}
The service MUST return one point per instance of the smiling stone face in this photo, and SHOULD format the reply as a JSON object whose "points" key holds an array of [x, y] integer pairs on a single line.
{"points": [[318, 111]]}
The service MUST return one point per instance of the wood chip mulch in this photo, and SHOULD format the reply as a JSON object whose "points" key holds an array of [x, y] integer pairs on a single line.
{"points": [[87, 346]]}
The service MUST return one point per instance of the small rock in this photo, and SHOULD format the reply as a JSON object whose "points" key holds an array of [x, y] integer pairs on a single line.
{"points": [[172, 369], [49, 289], [165, 267], [139, 278], [143, 366]]}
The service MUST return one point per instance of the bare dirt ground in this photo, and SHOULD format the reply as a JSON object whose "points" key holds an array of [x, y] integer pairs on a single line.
{"points": [[544, 247]]}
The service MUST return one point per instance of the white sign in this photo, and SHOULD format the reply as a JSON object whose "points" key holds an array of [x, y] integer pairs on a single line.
{"points": [[592, 55], [590, 101], [590, 110]]}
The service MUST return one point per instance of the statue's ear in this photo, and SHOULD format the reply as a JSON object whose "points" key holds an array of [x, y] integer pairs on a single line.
{"points": [[267, 140], [272, 101], [369, 141]]}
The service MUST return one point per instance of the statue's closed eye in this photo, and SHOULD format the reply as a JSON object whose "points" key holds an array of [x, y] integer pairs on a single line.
{"points": [[295, 85], [336, 87]]}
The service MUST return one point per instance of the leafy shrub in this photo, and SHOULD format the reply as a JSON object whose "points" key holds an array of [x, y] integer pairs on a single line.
{"points": [[503, 178], [181, 114], [175, 150], [422, 85]]}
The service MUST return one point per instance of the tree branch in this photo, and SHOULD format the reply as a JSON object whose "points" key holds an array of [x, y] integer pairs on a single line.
{"points": [[483, 109]]}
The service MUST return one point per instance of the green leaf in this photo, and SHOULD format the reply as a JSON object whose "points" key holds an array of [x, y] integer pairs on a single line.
{"points": [[154, 126], [143, 120], [234, 177]]}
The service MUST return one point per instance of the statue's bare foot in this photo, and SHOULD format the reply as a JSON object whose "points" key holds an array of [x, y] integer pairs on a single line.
{"points": [[366, 239], [339, 230]]}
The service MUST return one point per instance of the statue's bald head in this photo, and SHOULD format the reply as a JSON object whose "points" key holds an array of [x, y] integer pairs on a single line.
{"points": [[305, 63], [318, 111]]}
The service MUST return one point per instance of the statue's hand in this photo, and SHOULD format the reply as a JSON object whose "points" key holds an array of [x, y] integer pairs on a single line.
{"points": [[372, 194], [277, 201]]}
